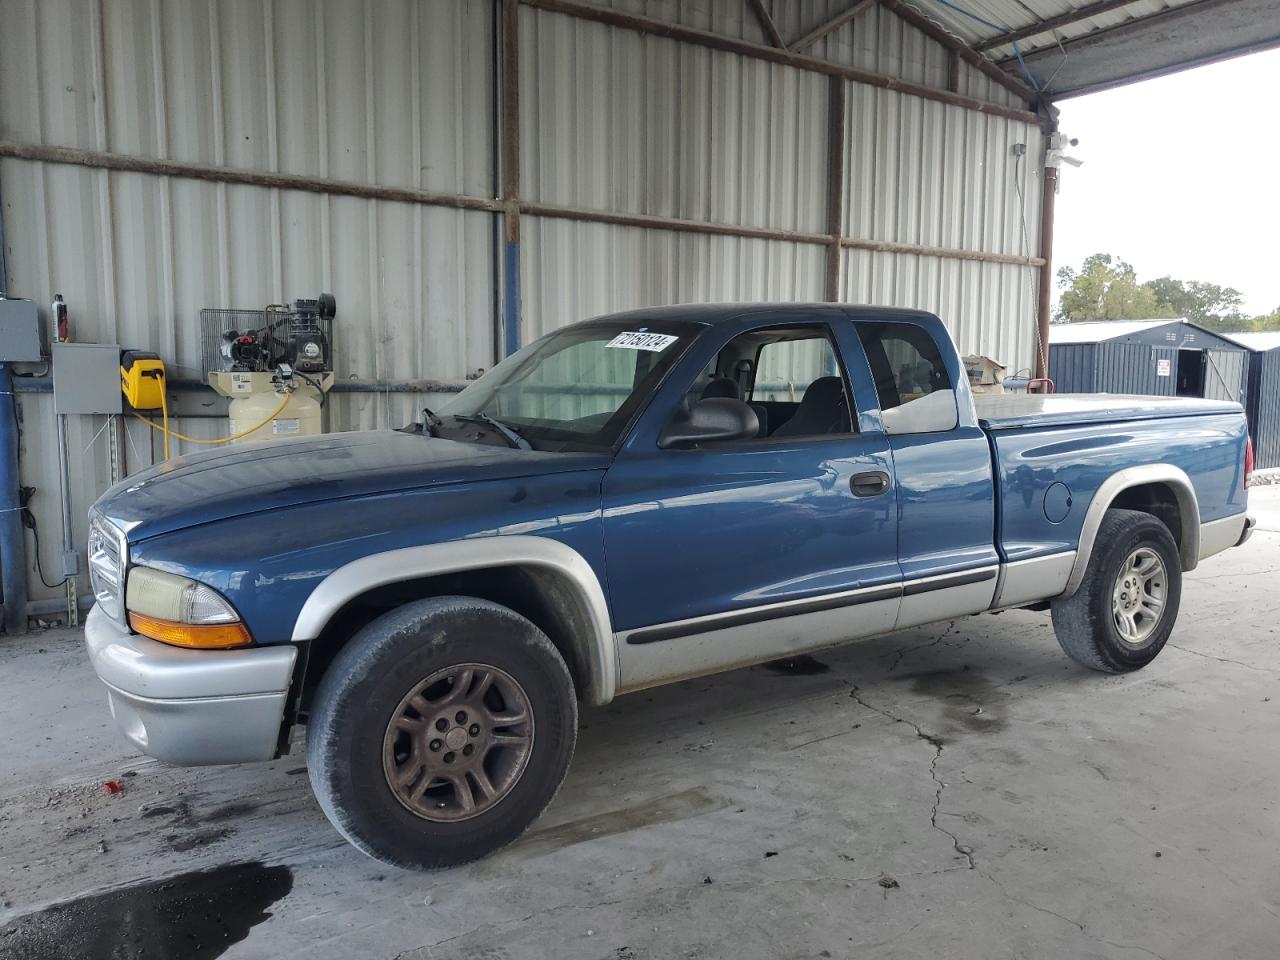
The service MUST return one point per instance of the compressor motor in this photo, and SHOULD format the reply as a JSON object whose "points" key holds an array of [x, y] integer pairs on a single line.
{"points": [[295, 335]]}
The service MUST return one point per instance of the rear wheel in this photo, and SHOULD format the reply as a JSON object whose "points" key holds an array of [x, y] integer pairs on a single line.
{"points": [[1121, 616], [441, 732]]}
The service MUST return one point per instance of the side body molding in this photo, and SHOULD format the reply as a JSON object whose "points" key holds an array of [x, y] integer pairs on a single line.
{"points": [[1166, 473], [596, 649]]}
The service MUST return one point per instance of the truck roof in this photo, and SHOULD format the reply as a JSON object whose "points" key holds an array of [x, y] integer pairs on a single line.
{"points": [[710, 313], [1013, 411]]}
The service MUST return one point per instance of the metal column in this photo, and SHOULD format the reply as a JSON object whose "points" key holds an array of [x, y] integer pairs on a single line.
{"points": [[70, 561], [13, 552]]}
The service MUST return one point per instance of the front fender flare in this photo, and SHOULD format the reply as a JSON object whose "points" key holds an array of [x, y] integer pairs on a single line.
{"points": [[1188, 510], [458, 556]]}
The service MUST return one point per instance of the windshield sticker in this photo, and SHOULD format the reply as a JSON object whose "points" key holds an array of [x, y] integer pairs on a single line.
{"points": [[653, 342]]}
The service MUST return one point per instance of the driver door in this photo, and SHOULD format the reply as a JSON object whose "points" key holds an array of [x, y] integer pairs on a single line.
{"points": [[733, 552]]}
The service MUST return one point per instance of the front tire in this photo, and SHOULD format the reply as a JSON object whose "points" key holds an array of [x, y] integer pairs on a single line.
{"points": [[1121, 616], [440, 732]]}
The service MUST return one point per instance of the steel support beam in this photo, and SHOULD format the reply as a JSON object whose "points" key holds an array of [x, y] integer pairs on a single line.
{"points": [[13, 546], [111, 161], [745, 48], [1046, 270], [766, 23], [950, 253], [848, 15], [835, 184], [976, 60], [510, 120], [101, 160]]}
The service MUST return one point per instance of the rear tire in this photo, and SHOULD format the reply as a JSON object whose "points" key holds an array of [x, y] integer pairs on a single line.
{"points": [[1121, 616], [440, 732]]}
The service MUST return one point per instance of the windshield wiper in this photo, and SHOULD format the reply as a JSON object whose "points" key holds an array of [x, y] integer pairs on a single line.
{"points": [[508, 433], [430, 422]]}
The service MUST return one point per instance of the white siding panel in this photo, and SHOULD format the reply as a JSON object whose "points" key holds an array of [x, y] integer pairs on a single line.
{"points": [[614, 120], [576, 270], [877, 40], [989, 308], [924, 172]]}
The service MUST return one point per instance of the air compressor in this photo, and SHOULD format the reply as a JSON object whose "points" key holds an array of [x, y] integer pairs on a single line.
{"points": [[275, 365]]}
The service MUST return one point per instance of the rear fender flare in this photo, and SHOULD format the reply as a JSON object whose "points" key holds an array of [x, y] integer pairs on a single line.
{"points": [[1164, 473], [458, 556]]}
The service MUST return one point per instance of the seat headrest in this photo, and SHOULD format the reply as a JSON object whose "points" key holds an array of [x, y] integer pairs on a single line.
{"points": [[825, 390], [721, 388]]}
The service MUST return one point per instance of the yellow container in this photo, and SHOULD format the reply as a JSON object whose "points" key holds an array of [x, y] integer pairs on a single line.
{"points": [[142, 379]]}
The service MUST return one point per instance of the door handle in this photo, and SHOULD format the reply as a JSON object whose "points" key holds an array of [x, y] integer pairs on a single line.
{"points": [[869, 484]]}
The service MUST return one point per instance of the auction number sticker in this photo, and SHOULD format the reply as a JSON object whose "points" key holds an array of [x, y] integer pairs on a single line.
{"points": [[653, 342]]}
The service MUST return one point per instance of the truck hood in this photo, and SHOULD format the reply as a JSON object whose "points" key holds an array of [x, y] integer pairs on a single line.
{"points": [[231, 482]]}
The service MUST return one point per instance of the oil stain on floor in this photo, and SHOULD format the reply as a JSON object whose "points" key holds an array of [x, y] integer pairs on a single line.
{"points": [[192, 916], [801, 665], [668, 809]]}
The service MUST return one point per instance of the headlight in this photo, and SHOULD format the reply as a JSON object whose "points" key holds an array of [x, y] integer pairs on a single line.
{"points": [[182, 612], [108, 557]]}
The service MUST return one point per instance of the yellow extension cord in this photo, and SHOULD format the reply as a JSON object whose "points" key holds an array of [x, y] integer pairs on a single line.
{"points": [[164, 410]]}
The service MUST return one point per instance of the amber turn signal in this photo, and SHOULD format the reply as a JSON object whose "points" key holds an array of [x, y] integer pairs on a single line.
{"points": [[199, 636]]}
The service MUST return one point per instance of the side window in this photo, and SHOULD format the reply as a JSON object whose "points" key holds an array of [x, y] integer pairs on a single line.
{"points": [[915, 391], [790, 377]]}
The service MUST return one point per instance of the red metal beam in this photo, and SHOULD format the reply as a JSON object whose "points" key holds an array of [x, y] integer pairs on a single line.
{"points": [[1046, 270], [766, 23], [100, 160], [1052, 23], [976, 60], [97, 160], [835, 183], [835, 23], [715, 41]]}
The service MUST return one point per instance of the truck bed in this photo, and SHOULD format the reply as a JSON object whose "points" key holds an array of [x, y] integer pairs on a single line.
{"points": [[1017, 411]]}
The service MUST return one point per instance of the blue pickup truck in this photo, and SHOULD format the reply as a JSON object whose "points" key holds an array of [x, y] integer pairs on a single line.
{"points": [[629, 501]]}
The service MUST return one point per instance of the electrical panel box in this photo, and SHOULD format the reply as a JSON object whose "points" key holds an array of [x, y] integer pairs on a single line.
{"points": [[19, 332], [86, 378]]}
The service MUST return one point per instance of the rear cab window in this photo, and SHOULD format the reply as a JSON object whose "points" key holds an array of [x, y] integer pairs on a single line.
{"points": [[913, 386]]}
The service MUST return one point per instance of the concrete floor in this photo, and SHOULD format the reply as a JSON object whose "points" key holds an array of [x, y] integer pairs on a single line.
{"points": [[962, 791]]}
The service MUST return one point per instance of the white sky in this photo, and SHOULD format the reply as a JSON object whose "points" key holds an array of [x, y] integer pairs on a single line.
{"points": [[1181, 177]]}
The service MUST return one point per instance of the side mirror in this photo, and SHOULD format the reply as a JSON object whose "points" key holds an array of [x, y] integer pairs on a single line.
{"points": [[717, 418]]}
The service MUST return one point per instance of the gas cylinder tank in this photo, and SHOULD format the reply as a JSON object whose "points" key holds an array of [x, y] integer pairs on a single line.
{"points": [[299, 417]]}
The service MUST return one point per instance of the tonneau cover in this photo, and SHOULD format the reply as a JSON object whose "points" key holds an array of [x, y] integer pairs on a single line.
{"points": [[1018, 411]]}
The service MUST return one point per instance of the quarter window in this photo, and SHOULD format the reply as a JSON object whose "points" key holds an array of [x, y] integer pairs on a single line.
{"points": [[912, 384]]}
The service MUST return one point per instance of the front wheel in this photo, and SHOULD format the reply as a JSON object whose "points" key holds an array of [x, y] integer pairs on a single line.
{"points": [[1122, 614], [440, 732]]}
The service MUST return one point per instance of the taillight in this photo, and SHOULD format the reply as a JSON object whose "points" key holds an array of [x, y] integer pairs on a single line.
{"points": [[1248, 460]]}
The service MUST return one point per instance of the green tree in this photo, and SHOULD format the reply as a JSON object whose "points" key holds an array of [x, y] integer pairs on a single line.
{"points": [[1106, 288], [1207, 304], [1266, 321]]}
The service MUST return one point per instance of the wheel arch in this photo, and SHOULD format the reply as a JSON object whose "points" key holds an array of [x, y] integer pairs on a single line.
{"points": [[1161, 489], [542, 579]]}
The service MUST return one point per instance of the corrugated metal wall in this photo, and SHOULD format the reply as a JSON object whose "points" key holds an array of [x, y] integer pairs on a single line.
{"points": [[1112, 367], [1264, 406], [401, 93], [1073, 366]]}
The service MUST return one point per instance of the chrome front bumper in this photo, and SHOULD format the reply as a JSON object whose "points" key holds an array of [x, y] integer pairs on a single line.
{"points": [[191, 707]]}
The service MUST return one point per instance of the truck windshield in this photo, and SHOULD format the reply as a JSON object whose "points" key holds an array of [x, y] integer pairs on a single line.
{"points": [[575, 389]]}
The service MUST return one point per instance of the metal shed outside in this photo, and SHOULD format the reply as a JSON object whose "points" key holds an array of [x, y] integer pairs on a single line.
{"points": [[1161, 358], [1263, 406]]}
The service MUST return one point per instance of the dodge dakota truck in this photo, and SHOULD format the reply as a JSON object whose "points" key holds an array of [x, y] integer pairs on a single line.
{"points": [[629, 501]]}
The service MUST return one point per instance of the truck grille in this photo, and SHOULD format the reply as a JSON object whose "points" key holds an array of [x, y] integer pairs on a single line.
{"points": [[108, 557]]}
